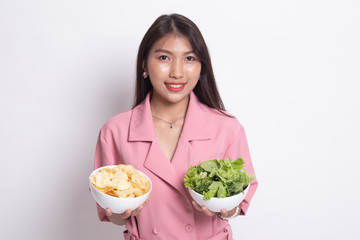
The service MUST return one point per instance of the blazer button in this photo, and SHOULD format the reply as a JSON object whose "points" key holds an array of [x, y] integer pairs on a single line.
{"points": [[188, 228], [156, 230]]}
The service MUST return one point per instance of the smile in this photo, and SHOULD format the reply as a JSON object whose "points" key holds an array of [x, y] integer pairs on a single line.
{"points": [[175, 87]]}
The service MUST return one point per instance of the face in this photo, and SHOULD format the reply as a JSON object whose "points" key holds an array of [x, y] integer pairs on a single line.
{"points": [[173, 69]]}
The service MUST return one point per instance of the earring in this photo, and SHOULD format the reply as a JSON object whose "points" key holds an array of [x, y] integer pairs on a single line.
{"points": [[145, 75]]}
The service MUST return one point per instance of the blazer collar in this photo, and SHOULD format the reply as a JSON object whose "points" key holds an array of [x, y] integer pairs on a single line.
{"points": [[141, 123], [195, 125]]}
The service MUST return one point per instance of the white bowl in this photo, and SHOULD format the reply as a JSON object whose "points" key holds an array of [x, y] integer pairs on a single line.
{"points": [[117, 205], [216, 204]]}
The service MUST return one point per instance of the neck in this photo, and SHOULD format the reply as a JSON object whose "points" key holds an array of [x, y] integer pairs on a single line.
{"points": [[168, 111]]}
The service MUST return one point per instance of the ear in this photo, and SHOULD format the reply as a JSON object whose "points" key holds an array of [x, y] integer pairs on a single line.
{"points": [[143, 66]]}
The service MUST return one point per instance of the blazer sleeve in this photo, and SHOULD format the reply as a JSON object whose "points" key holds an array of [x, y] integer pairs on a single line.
{"points": [[103, 156], [240, 149]]}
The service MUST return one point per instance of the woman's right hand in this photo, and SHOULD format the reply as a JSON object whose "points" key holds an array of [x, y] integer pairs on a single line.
{"points": [[121, 218]]}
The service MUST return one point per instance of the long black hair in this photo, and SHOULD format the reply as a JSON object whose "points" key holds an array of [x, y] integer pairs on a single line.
{"points": [[205, 89]]}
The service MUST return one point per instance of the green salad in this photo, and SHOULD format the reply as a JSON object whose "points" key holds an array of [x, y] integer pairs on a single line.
{"points": [[218, 178]]}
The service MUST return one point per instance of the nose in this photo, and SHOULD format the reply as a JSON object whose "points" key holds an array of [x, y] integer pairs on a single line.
{"points": [[177, 69]]}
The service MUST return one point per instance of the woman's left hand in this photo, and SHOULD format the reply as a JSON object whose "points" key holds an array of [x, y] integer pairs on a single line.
{"points": [[203, 209], [206, 211], [225, 213]]}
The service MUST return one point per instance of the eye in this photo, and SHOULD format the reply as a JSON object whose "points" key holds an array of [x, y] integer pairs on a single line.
{"points": [[163, 57], [190, 58]]}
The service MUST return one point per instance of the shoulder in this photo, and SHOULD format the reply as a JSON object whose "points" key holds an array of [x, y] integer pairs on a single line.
{"points": [[224, 120], [211, 115], [222, 130]]}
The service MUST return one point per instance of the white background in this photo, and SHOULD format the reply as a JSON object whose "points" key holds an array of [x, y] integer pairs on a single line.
{"points": [[289, 70]]}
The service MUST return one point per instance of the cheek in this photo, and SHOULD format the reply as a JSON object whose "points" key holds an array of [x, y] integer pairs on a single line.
{"points": [[158, 69], [194, 70]]}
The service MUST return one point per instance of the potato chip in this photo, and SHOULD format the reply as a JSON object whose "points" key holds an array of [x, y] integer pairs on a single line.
{"points": [[138, 192], [130, 170], [122, 181], [140, 181]]}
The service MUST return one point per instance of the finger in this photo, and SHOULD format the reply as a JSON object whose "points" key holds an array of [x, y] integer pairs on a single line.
{"points": [[145, 203], [196, 206], [207, 211], [108, 212], [137, 211], [126, 214], [224, 212], [203, 209]]}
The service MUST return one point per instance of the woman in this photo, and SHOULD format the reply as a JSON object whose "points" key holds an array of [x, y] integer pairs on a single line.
{"points": [[178, 120]]}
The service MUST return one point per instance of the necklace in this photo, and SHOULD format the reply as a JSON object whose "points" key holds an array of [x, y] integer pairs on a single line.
{"points": [[171, 123]]}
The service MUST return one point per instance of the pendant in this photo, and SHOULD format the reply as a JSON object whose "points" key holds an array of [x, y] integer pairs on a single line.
{"points": [[171, 126]]}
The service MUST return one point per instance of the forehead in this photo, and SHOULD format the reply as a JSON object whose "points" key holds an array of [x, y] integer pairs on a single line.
{"points": [[172, 42]]}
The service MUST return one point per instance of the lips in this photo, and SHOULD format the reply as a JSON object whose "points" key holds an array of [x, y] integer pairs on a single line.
{"points": [[175, 87]]}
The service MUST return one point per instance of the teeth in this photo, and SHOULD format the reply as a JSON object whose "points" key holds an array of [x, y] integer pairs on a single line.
{"points": [[175, 85]]}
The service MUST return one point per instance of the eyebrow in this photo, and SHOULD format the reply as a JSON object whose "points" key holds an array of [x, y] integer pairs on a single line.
{"points": [[168, 52]]}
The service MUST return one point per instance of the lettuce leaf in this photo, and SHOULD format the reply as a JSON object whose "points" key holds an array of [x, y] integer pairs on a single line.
{"points": [[218, 178]]}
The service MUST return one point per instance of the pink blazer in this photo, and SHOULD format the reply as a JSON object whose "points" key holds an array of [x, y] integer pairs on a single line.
{"points": [[129, 138]]}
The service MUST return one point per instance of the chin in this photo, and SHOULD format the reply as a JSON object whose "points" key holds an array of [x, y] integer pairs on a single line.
{"points": [[177, 99]]}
